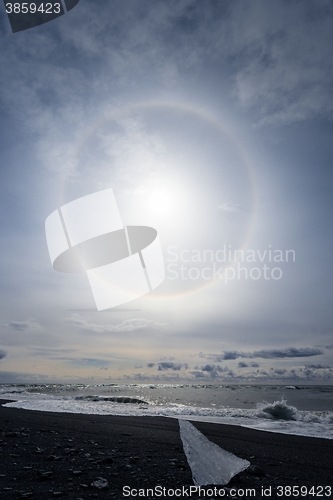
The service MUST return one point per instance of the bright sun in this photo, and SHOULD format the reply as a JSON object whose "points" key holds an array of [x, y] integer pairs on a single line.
{"points": [[161, 201]]}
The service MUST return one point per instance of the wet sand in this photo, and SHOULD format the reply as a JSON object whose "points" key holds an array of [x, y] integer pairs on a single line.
{"points": [[47, 455]]}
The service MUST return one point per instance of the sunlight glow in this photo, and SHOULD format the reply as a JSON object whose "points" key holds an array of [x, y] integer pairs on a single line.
{"points": [[162, 201]]}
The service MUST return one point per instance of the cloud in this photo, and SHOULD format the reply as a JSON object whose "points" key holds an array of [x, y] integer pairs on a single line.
{"points": [[169, 365], [160, 377], [289, 352], [303, 374], [52, 352], [230, 207], [212, 371], [128, 325], [281, 62], [197, 374], [30, 324], [242, 364], [150, 365], [318, 366], [3, 354], [285, 75]]}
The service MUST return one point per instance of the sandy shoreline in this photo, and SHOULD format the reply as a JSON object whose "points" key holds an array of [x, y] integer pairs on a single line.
{"points": [[49, 455]]}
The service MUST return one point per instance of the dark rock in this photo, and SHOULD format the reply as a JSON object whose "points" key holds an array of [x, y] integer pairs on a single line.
{"points": [[71, 451], [255, 470], [100, 483], [44, 476]]}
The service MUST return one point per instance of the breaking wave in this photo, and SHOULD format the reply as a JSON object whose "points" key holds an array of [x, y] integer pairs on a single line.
{"points": [[278, 410], [114, 399], [202, 403]]}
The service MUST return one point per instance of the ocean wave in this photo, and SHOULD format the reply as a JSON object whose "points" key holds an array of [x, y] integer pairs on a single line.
{"points": [[170, 401], [114, 399], [278, 410]]}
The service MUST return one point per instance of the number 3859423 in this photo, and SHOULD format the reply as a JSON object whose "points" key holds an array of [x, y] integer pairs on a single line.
{"points": [[31, 8]]}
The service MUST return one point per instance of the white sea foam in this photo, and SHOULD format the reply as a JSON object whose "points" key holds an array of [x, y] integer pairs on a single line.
{"points": [[273, 417], [278, 410]]}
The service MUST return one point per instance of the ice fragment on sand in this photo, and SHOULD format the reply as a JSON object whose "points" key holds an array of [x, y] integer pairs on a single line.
{"points": [[209, 463], [100, 483]]}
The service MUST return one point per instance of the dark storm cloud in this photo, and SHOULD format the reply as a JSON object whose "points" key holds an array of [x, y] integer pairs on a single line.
{"points": [[169, 365], [242, 364], [212, 368], [289, 352], [212, 371], [318, 367], [3, 354], [300, 374]]}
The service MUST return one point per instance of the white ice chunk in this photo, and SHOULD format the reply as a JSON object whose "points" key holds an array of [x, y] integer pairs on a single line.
{"points": [[209, 463]]}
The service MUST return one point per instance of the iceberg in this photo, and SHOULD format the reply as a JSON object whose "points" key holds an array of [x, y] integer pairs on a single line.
{"points": [[209, 463]]}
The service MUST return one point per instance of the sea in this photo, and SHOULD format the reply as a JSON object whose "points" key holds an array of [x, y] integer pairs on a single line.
{"points": [[288, 409]]}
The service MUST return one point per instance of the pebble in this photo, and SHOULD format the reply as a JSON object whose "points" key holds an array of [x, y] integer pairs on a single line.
{"points": [[100, 483], [77, 472]]}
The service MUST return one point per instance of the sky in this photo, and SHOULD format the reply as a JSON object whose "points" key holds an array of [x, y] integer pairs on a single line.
{"points": [[212, 122]]}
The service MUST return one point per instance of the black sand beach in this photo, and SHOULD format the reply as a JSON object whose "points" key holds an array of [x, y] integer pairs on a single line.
{"points": [[48, 455]]}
